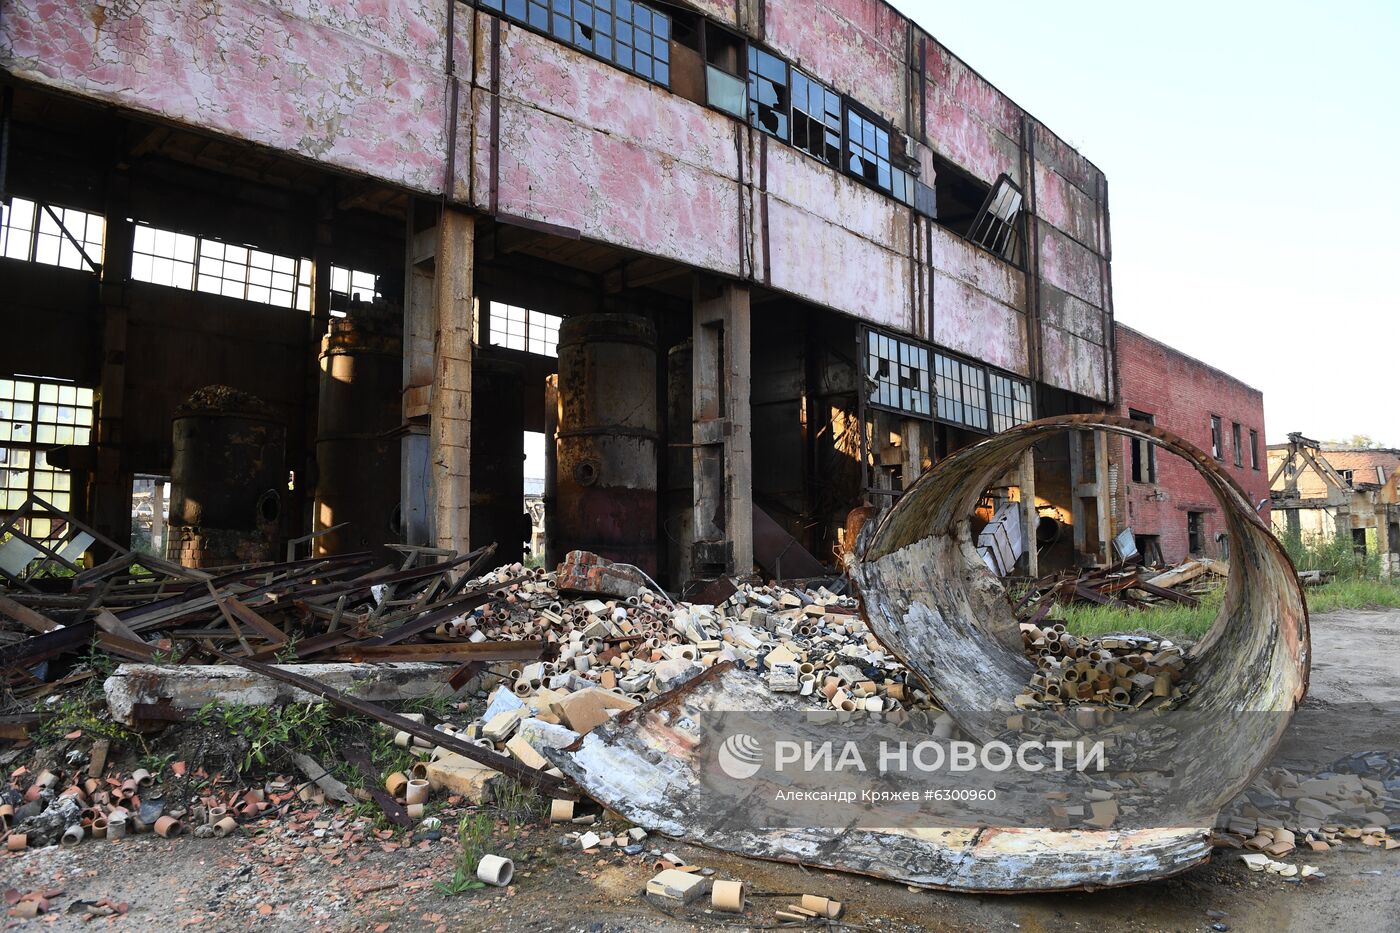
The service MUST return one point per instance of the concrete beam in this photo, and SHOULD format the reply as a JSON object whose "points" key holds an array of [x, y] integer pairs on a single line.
{"points": [[190, 687]]}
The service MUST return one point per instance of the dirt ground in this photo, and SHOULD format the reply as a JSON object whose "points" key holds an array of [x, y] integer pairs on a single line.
{"points": [[290, 878]]}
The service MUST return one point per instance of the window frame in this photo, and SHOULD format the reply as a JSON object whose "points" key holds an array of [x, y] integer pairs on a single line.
{"points": [[929, 391], [498, 8], [1137, 458], [301, 275], [963, 363], [1195, 532], [91, 256], [1217, 438], [1237, 440], [752, 54], [1253, 449], [840, 130], [529, 314], [1011, 250], [850, 108], [35, 449]]}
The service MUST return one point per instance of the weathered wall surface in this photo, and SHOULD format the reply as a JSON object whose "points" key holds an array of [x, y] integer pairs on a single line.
{"points": [[363, 87], [1182, 393], [358, 86]]}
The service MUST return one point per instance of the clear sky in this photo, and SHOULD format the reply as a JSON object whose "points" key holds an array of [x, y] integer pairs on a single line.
{"points": [[1253, 158]]}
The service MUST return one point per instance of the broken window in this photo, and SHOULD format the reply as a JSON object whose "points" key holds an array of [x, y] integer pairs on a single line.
{"points": [[1011, 402], [726, 84], [1144, 452], [631, 35], [994, 228], [769, 98], [179, 260], [1346, 475], [1254, 449], [868, 156], [900, 372], [351, 285], [35, 416], [1195, 532], [1236, 443], [31, 231], [523, 329], [958, 196], [962, 397], [816, 119], [1217, 443]]}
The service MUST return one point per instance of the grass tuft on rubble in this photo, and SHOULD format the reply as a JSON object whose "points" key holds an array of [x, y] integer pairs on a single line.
{"points": [[271, 731], [1172, 620]]}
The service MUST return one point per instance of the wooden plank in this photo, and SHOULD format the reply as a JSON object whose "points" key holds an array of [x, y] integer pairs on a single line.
{"points": [[447, 652], [27, 617], [265, 628], [114, 626]]}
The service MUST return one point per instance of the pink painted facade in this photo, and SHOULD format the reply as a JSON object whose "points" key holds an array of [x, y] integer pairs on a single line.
{"points": [[362, 86], [1182, 393]]}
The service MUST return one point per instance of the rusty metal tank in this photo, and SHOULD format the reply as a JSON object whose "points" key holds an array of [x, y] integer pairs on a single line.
{"points": [[606, 497], [228, 480], [498, 459], [359, 408], [678, 530]]}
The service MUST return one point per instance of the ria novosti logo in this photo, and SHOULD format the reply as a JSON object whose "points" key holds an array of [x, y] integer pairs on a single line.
{"points": [[740, 756]]}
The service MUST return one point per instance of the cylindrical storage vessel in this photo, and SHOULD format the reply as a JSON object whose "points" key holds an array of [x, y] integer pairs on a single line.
{"points": [[605, 475], [228, 480], [498, 460], [679, 529], [359, 409]]}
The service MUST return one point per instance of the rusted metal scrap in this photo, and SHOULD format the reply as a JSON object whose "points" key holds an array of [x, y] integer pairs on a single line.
{"points": [[930, 600]]}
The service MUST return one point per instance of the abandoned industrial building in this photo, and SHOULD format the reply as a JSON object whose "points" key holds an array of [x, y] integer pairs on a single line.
{"points": [[442, 434], [701, 247], [1325, 491]]}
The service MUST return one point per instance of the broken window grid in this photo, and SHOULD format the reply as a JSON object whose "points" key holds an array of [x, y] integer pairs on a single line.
{"points": [[30, 233], [816, 119], [631, 35], [36, 415], [353, 285], [1011, 402], [962, 396], [179, 260], [901, 374], [769, 101], [868, 156], [523, 329], [994, 227]]}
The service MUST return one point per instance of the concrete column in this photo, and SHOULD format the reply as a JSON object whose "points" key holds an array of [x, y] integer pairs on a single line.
{"points": [[1029, 514], [911, 435], [723, 478], [415, 479], [450, 408], [1103, 496], [110, 499]]}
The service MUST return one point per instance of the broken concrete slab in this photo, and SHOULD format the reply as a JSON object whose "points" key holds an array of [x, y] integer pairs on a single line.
{"points": [[194, 686]]}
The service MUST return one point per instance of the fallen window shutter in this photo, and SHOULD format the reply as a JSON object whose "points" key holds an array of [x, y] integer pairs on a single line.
{"points": [[994, 227]]}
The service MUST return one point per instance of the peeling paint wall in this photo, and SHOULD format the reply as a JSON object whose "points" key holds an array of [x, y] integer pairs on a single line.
{"points": [[364, 87]]}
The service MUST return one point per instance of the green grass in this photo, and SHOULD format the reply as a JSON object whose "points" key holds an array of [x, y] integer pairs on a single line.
{"points": [[1172, 620], [1191, 622], [1354, 594]]}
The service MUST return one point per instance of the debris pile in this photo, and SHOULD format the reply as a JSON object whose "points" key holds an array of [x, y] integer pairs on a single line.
{"points": [[1111, 672], [1355, 801], [1122, 584]]}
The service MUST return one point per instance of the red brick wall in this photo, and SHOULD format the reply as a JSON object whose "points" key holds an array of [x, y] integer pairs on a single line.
{"points": [[1182, 393]]}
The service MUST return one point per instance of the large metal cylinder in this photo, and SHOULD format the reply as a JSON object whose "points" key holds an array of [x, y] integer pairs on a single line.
{"points": [[359, 408], [228, 480], [498, 460], [606, 486]]}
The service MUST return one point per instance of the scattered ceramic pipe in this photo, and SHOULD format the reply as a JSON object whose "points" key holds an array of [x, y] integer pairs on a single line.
{"points": [[495, 871]]}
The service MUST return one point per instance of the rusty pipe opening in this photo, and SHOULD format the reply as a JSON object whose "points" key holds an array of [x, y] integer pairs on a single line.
{"points": [[930, 599]]}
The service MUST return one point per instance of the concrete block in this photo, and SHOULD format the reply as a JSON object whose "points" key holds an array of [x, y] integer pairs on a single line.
{"points": [[193, 686]]}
